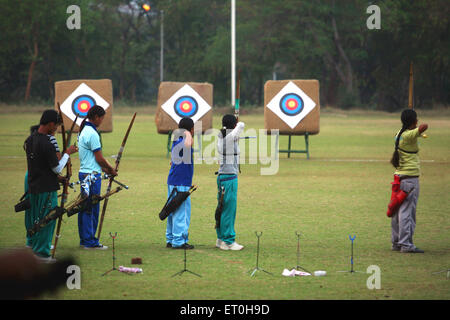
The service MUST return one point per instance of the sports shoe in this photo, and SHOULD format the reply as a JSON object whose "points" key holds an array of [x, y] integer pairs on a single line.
{"points": [[218, 243], [415, 250], [234, 246], [97, 247], [186, 246], [168, 245], [395, 248], [45, 259]]}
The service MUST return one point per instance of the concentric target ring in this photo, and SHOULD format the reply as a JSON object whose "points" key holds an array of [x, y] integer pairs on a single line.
{"points": [[185, 106], [82, 104], [291, 104]]}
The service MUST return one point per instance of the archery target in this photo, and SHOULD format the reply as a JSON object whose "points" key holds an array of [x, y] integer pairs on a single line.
{"points": [[291, 104], [186, 102], [80, 101], [186, 106]]}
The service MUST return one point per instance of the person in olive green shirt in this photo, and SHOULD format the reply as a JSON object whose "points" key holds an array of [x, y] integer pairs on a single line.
{"points": [[407, 164]]}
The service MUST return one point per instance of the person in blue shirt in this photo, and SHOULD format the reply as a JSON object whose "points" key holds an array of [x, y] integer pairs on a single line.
{"points": [[180, 177], [92, 163]]}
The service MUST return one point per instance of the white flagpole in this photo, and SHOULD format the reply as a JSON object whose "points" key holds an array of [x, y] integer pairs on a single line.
{"points": [[233, 51]]}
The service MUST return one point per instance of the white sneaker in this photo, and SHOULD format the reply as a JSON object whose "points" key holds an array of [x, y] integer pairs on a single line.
{"points": [[99, 247], [234, 246], [45, 260], [218, 243]]}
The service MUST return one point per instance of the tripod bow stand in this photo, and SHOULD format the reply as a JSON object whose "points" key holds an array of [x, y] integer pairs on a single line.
{"points": [[257, 268], [185, 270], [351, 258], [298, 267], [114, 255]]}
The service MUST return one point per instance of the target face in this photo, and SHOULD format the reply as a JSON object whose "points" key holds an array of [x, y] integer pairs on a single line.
{"points": [[291, 104], [80, 101], [186, 102], [185, 106], [82, 104]]}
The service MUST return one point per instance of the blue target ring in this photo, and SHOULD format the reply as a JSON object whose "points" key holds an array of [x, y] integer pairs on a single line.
{"points": [[82, 104], [291, 104], [185, 106]]}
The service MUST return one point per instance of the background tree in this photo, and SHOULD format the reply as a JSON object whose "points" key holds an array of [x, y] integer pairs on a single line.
{"points": [[326, 40]]}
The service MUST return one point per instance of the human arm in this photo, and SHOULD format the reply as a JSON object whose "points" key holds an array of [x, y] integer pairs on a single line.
{"points": [[188, 140], [106, 166], [54, 142], [422, 128], [63, 161], [237, 130]]}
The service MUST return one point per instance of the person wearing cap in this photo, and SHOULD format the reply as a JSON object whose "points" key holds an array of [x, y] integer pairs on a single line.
{"points": [[43, 169]]}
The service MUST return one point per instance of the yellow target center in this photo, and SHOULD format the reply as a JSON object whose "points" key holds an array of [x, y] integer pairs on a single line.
{"points": [[84, 106], [291, 104], [185, 106]]}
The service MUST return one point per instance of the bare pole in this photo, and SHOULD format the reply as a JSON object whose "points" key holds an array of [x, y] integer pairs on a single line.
{"points": [[233, 51], [161, 63], [411, 87]]}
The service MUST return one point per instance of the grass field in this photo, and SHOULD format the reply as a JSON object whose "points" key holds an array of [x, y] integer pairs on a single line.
{"points": [[342, 190]]}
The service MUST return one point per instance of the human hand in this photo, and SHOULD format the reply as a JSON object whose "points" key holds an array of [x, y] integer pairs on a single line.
{"points": [[71, 149]]}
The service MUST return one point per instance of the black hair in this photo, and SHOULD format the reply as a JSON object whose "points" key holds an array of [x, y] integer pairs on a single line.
{"points": [[50, 116], [186, 123], [408, 117], [34, 128], [229, 122], [92, 113]]}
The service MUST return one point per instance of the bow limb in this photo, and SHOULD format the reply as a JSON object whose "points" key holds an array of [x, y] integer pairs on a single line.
{"points": [[119, 156], [236, 104], [65, 142]]}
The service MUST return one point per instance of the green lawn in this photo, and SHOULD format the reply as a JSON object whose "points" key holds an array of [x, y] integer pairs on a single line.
{"points": [[342, 190]]}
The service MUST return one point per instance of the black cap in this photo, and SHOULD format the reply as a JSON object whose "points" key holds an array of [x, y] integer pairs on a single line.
{"points": [[50, 116]]}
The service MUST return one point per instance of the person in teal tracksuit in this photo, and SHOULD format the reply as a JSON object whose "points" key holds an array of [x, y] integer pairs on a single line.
{"points": [[227, 181], [28, 219], [43, 169]]}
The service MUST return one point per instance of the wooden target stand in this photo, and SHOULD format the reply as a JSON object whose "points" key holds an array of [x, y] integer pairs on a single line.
{"points": [[309, 125], [290, 150]]}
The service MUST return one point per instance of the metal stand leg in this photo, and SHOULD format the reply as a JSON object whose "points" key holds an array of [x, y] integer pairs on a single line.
{"points": [[185, 270], [307, 144], [169, 140], [257, 268], [289, 147], [448, 273]]}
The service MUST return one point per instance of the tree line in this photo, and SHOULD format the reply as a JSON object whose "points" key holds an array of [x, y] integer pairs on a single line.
{"points": [[328, 40]]}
